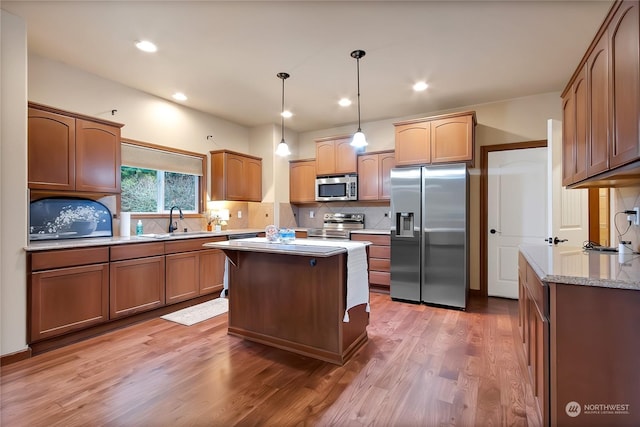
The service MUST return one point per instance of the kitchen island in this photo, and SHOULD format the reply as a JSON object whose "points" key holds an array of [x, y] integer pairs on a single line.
{"points": [[309, 297], [578, 319]]}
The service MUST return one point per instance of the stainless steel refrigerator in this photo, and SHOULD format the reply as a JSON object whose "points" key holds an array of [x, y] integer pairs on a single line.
{"points": [[430, 234]]}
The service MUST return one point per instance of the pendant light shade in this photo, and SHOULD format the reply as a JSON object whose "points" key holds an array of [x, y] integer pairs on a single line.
{"points": [[359, 140], [283, 149]]}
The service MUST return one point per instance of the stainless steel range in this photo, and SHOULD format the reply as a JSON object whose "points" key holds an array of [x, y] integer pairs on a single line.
{"points": [[338, 226]]}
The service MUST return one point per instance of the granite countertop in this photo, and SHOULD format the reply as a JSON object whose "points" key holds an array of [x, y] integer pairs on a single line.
{"points": [[44, 245], [372, 231], [575, 266], [300, 247]]}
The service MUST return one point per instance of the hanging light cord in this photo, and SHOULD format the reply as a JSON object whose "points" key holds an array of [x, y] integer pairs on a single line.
{"points": [[358, 68], [282, 111]]}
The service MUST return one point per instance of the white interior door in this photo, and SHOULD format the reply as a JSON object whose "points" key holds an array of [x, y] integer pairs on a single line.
{"points": [[569, 209], [517, 213]]}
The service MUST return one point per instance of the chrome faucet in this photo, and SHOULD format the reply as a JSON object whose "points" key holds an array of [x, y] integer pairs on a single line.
{"points": [[173, 226]]}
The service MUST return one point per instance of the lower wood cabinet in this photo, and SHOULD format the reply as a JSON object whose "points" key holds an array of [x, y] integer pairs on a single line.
{"points": [[379, 260], [136, 285], [192, 270], [68, 299], [68, 290], [533, 322], [74, 289], [136, 279]]}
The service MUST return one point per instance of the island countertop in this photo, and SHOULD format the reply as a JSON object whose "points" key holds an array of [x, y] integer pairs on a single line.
{"points": [[576, 266], [302, 247]]}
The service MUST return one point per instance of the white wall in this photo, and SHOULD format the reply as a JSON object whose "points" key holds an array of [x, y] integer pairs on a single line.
{"points": [[13, 183], [146, 118], [509, 121]]}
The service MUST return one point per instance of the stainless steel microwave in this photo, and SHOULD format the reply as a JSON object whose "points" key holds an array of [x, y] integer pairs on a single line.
{"points": [[337, 188]]}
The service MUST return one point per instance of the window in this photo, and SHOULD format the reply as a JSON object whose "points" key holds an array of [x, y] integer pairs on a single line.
{"points": [[153, 179]]}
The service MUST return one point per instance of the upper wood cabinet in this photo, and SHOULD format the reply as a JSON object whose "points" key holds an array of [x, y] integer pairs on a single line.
{"points": [[302, 180], [605, 90], [335, 156], [598, 108], [625, 84], [235, 176], [447, 138], [72, 152], [374, 174], [413, 143], [574, 131]]}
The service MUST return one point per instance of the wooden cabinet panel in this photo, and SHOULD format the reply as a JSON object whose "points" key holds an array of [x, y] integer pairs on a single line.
{"points": [[47, 260], [253, 179], [67, 299], [387, 161], [345, 157], [450, 139], [325, 158], [235, 176], [97, 157], [413, 143], [136, 285], [379, 260], [612, 90], [302, 181], [137, 250], [52, 139], [581, 127], [598, 108], [374, 175], [375, 239], [380, 280], [533, 319], [182, 277], [575, 132], [625, 80], [72, 152], [211, 271], [335, 156], [368, 177]]}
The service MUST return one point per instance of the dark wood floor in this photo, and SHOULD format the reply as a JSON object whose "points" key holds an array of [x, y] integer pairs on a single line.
{"points": [[422, 366]]}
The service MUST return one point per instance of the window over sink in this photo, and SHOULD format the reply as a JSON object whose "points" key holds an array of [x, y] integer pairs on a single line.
{"points": [[155, 178]]}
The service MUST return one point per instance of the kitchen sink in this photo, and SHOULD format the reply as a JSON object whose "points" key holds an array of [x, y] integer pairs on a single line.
{"points": [[176, 235]]}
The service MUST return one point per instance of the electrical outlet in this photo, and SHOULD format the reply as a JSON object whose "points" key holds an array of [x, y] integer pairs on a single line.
{"points": [[636, 219], [239, 214], [312, 214]]}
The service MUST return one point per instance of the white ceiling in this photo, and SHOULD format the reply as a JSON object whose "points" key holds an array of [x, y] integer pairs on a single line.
{"points": [[225, 55]]}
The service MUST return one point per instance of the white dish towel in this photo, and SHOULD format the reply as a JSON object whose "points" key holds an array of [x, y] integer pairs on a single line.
{"points": [[357, 278]]}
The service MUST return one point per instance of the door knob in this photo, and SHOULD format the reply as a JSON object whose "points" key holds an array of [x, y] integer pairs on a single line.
{"points": [[555, 240], [493, 231]]}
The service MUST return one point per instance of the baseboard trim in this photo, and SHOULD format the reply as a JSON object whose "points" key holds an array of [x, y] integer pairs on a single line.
{"points": [[8, 359], [475, 293]]}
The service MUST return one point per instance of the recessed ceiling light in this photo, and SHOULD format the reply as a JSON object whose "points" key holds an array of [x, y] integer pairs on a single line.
{"points": [[146, 46], [179, 96], [286, 114], [420, 86], [344, 102]]}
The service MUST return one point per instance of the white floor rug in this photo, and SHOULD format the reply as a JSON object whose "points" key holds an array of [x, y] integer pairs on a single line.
{"points": [[197, 313]]}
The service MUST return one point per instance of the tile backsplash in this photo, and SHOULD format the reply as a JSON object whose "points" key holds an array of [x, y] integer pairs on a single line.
{"points": [[376, 216], [626, 198]]}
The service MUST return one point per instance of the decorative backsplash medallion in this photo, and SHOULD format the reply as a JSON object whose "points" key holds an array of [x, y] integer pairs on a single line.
{"points": [[68, 218]]}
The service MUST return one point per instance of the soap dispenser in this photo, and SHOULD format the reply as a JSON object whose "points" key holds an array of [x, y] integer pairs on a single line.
{"points": [[139, 227]]}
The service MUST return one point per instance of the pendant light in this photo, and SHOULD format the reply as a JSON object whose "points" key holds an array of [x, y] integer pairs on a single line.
{"points": [[283, 148], [359, 140]]}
